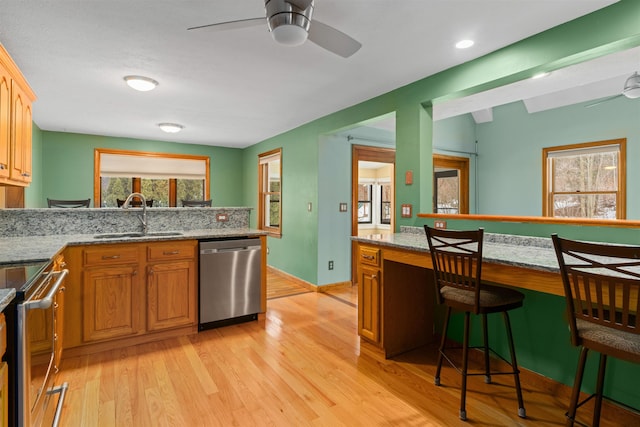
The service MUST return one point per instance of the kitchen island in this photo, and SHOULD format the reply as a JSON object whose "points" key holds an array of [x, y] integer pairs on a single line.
{"points": [[124, 286]]}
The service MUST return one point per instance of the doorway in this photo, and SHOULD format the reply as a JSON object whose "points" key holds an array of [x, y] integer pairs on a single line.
{"points": [[379, 204]]}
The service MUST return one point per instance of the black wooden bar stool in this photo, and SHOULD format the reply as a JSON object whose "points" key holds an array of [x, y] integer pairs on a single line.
{"points": [[457, 265], [601, 286]]}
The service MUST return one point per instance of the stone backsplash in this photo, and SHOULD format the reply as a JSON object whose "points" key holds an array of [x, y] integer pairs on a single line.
{"points": [[46, 222]]}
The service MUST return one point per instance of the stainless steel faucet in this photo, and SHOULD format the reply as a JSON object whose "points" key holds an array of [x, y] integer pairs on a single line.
{"points": [[143, 217]]}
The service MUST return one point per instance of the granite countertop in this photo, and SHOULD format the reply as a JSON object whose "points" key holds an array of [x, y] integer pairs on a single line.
{"points": [[522, 251], [6, 296], [41, 248]]}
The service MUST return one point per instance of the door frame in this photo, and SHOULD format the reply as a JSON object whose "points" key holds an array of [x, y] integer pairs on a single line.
{"points": [[370, 154], [462, 165]]}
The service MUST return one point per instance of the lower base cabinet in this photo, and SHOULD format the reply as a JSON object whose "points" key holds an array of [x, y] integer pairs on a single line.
{"points": [[120, 291]]}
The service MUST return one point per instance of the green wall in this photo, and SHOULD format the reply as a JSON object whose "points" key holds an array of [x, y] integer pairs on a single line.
{"points": [[67, 171], [510, 150], [297, 251], [306, 175]]}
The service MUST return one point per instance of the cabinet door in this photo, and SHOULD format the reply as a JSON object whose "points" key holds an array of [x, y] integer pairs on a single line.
{"points": [[171, 295], [21, 135], [369, 303], [5, 122], [112, 303]]}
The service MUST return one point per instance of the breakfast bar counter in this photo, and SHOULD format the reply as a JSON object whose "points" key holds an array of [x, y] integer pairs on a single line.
{"points": [[396, 291]]}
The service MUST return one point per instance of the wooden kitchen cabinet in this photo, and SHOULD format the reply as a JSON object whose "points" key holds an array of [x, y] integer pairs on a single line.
{"points": [[16, 98], [111, 302], [111, 292], [128, 293], [369, 293], [171, 285]]}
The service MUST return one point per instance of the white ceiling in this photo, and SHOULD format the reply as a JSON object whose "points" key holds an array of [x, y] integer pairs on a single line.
{"points": [[239, 87]]}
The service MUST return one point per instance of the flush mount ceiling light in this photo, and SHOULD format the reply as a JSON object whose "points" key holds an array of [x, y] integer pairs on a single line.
{"points": [[170, 127], [143, 84], [463, 44]]}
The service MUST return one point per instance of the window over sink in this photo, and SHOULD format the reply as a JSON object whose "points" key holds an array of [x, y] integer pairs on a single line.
{"points": [[164, 178]]}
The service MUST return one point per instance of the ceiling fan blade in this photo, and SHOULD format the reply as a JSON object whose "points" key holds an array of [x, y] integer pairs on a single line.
{"points": [[232, 25], [301, 4], [333, 40], [602, 101]]}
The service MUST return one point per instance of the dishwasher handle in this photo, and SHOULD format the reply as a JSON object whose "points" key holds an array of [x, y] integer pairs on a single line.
{"points": [[222, 250]]}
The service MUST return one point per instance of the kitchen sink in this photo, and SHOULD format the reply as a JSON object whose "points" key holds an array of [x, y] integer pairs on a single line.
{"points": [[135, 235]]}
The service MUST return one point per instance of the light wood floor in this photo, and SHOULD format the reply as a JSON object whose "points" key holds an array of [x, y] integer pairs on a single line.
{"points": [[303, 365]]}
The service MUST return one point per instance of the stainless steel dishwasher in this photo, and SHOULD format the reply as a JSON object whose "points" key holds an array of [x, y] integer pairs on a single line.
{"points": [[230, 276]]}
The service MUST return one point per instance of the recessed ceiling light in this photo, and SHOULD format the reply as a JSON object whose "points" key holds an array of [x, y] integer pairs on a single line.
{"points": [[540, 75], [170, 127], [143, 84], [463, 44]]}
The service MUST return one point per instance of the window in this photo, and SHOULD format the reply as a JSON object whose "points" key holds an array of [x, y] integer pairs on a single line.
{"points": [[385, 204], [164, 178], [270, 192], [585, 180], [450, 184], [364, 204]]}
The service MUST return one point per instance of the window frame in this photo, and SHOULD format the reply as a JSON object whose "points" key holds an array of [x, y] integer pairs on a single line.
{"points": [[461, 164], [368, 202], [136, 181], [263, 170], [547, 171]]}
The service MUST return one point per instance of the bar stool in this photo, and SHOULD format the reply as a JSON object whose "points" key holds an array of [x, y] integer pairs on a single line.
{"points": [[57, 203], [457, 265], [601, 285]]}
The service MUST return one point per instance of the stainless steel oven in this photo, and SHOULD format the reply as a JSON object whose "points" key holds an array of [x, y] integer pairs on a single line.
{"points": [[33, 349]]}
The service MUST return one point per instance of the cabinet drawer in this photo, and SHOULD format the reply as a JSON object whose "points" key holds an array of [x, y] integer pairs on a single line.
{"points": [[370, 256], [3, 334], [109, 255], [171, 250]]}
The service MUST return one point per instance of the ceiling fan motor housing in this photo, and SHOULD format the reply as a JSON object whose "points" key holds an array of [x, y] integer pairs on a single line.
{"points": [[632, 86], [288, 23]]}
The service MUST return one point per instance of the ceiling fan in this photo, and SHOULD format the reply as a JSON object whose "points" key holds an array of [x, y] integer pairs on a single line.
{"points": [[631, 90], [289, 22]]}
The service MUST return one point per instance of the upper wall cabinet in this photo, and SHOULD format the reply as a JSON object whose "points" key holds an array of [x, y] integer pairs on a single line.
{"points": [[16, 98]]}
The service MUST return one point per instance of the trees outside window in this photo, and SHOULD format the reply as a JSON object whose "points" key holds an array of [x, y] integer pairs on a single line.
{"points": [[364, 204], [585, 180]]}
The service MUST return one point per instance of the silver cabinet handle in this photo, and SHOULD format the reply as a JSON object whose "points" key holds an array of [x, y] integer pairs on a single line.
{"points": [[26, 175], [170, 252], [110, 256], [3, 165]]}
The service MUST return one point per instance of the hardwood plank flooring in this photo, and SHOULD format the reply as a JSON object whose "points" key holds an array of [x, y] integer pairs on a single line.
{"points": [[302, 365]]}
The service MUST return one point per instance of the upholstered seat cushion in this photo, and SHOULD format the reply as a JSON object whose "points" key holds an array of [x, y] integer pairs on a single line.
{"points": [[614, 338], [491, 297]]}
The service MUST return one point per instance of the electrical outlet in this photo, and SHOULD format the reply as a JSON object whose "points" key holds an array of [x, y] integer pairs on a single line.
{"points": [[440, 224], [330, 265], [222, 217]]}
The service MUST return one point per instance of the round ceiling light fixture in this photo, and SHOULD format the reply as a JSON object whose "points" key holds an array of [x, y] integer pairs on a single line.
{"points": [[464, 44], [143, 84], [288, 24], [170, 127]]}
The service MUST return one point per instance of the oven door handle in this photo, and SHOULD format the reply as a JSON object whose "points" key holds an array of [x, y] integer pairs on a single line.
{"points": [[48, 299]]}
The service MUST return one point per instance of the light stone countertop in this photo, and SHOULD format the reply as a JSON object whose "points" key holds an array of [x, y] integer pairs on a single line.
{"points": [[522, 251], [6, 296], [14, 250]]}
